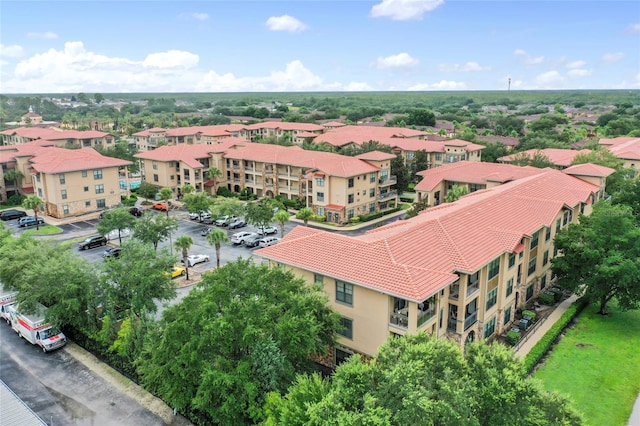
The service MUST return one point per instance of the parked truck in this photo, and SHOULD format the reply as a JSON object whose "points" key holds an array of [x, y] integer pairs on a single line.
{"points": [[36, 330], [7, 298]]}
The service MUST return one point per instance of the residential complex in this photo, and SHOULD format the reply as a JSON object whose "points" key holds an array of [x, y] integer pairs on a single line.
{"points": [[561, 158], [69, 181], [61, 138], [626, 149], [335, 186], [459, 270]]}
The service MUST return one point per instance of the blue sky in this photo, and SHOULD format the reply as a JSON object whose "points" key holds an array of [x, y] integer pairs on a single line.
{"points": [[306, 45]]}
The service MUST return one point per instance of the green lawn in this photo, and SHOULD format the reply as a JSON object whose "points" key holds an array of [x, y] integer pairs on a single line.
{"points": [[597, 364], [44, 230]]}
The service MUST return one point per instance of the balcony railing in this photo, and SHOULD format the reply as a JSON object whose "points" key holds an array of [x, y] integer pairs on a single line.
{"points": [[452, 324], [400, 320], [425, 316], [389, 180], [268, 171], [387, 195], [454, 293], [470, 320], [473, 288]]}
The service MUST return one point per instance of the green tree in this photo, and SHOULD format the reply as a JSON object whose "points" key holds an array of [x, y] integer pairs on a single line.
{"points": [[400, 171], [227, 206], [116, 219], [537, 160], [281, 216], [216, 237], [98, 97], [14, 176], [455, 193], [419, 379], [33, 202], [421, 117], [184, 243], [305, 214], [598, 263], [130, 284], [243, 332], [154, 229], [166, 194], [214, 174], [420, 162], [493, 151], [147, 190], [197, 202], [260, 213], [187, 189], [628, 194]]}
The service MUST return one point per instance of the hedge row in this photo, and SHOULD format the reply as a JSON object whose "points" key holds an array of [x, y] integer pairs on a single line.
{"points": [[542, 347]]}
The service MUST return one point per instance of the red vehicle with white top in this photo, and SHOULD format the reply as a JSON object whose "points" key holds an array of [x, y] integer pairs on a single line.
{"points": [[36, 330], [7, 298]]}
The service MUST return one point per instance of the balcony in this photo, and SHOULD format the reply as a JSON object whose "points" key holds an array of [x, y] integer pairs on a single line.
{"points": [[389, 180], [470, 320], [387, 195], [454, 292], [452, 325], [399, 320], [472, 288], [268, 171], [426, 316]]}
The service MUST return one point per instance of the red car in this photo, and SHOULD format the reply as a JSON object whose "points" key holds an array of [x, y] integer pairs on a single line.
{"points": [[161, 206]]}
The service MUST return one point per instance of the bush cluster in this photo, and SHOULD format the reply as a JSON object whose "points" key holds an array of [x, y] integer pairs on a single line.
{"points": [[15, 200], [546, 299], [372, 216], [513, 337], [542, 347]]}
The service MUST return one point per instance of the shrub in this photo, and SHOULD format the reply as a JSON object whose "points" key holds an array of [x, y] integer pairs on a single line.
{"points": [[355, 219], [372, 216], [530, 314], [513, 337], [407, 199], [542, 347], [319, 218], [546, 299], [15, 200], [223, 191]]}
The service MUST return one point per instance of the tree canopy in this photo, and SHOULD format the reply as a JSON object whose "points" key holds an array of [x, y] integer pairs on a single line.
{"points": [[116, 220], [243, 332]]}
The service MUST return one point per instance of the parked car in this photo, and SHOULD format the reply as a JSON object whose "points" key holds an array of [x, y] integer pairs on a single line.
{"points": [[23, 222], [267, 230], [205, 231], [268, 241], [91, 242], [136, 211], [207, 220], [224, 220], [162, 205], [112, 252], [252, 241], [176, 271], [194, 259], [237, 223], [198, 215], [12, 214], [206, 217], [241, 237]]}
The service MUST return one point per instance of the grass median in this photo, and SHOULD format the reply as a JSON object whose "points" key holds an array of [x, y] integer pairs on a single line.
{"points": [[44, 230], [597, 363]]}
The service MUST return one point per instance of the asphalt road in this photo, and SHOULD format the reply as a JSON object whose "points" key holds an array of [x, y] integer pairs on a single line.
{"points": [[64, 391]]}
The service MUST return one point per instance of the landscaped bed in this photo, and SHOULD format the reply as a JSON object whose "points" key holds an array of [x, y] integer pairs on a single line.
{"points": [[597, 363]]}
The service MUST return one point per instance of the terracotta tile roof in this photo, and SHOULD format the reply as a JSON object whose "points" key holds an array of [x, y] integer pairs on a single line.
{"points": [[588, 169], [472, 172], [333, 124], [559, 157], [30, 132], [60, 160], [376, 156], [417, 257], [504, 140], [286, 126], [334, 207], [360, 134], [186, 153], [626, 148]]}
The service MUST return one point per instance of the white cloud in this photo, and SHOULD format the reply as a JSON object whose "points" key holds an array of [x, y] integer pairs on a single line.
{"points": [[401, 60], [12, 51], [610, 58], [198, 16], [528, 59], [48, 35], [404, 10], [466, 67], [285, 23], [578, 72], [575, 64], [171, 59], [633, 28], [441, 85], [549, 80]]}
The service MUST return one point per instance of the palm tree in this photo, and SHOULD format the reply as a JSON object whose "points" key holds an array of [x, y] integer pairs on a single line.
{"points": [[184, 243], [281, 217], [214, 173], [13, 175], [305, 214], [166, 194], [33, 202], [216, 237]]}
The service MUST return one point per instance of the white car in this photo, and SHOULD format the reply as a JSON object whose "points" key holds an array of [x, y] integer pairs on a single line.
{"points": [[199, 215], [194, 259], [268, 230], [240, 237], [268, 241]]}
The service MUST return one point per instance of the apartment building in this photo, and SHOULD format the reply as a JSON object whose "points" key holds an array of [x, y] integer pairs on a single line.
{"points": [[69, 181], [625, 148], [561, 158], [344, 136], [153, 138], [334, 186], [61, 138], [458, 271], [438, 153]]}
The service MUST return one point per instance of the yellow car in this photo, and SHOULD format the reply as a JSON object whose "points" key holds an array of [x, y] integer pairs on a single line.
{"points": [[176, 271]]}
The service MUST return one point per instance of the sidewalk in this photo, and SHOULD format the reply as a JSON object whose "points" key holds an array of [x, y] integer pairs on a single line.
{"points": [[545, 326]]}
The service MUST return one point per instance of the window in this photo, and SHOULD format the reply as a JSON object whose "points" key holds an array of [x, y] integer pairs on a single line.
{"points": [[372, 192], [492, 298], [87, 203], [543, 281], [350, 213], [154, 165], [320, 211], [529, 292], [155, 178], [341, 356], [97, 174], [558, 224], [490, 328], [547, 235], [38, 177], [40, 192], [84, 173], [372, 208], [318, 279], [350, 198], [438, 156], [86, 189], [346, 328], [372, 177], [509, 286], [172, 177], [101, 203], [494, 268], [534, 240], [320, 196], [62, 179], [545, 258], [512, 260], [350, 185], [410, 155], [320, 182], [532, 266], [63, 193], [344, 292], [507, 315], [100, 189], [65, 208]]}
